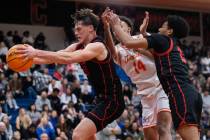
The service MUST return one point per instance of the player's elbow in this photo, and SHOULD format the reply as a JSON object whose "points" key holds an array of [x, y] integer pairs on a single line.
{"points": [[129, 43]]}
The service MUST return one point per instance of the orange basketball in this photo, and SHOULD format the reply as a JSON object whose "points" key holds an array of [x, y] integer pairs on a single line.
{"points": [[17, 64]]}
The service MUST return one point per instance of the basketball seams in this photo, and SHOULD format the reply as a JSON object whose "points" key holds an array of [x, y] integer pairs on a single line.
{"points": [[15, 63]]}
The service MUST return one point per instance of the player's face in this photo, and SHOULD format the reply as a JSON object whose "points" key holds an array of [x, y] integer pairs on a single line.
{"points": [[164, 29], [81, 31], [125, 27]]}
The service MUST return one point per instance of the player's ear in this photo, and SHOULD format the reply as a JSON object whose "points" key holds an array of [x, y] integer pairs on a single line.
{"points": [[170, 32], [129, 29], [91, 28]]}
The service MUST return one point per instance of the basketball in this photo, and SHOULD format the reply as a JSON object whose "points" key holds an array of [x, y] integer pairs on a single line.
{"points": [[15, 63]]}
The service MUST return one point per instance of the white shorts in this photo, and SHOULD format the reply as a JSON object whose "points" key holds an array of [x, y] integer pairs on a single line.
{"points": [[152, 104]]}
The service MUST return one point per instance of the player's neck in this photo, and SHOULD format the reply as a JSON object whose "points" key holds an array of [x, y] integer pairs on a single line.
{"points": [[90, 38]]}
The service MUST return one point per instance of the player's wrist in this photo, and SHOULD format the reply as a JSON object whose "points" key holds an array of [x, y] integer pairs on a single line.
{"points": [[35, 53]]}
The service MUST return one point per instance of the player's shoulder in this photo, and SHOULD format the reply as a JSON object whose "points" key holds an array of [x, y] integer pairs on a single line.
{"points": [[158, 36], [96, 46]]}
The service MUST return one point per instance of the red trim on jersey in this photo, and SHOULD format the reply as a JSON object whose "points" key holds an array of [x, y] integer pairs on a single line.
{"points": [[164, 110], [180, 89], [104, 81], [116, 108], [175, 104], [180, 116], [188, 124], [94, 115], [111, 76], [161, 67], [107, 107], [149, 126], [167, 51]]}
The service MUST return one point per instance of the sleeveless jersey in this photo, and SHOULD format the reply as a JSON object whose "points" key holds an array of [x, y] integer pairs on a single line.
{"points": [[141, 69], [172, 69], [101, 74]]}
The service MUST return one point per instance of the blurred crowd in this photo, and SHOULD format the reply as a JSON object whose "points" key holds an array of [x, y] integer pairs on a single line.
{"points": [[48, 101]]}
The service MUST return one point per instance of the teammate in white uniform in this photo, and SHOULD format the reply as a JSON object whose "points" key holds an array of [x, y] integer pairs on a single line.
{"points": [[139, 65]]}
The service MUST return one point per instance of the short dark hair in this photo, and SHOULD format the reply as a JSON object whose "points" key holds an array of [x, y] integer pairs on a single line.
{"points": [[127, 21], [87, 17], [179, 25]]}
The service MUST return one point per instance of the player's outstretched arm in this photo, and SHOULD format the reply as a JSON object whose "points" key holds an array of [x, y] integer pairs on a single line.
{"points": [[125, 38], [108, 35], [38, 60], [92, 50]]}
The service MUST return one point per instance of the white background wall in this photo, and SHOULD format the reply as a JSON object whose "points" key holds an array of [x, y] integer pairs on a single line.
{"points": [[54, 35]]}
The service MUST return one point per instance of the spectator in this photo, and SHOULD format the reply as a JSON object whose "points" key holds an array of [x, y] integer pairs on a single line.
{"points": [[15, 85], [76, 88], [110, 132], [42, 100], [128, 137], [135, 98], [32, 132], [33, 114], [3, 104], [44, 136], [86, 91], [45, 109], [54, 118], [3, 82], [16, 38], [28, 88], [63, 126], [1, 113], [23, 121], [9, 38], [206, 101], [3, 48], [11, 102], [64, 85], [63, 136], [41, 79], [127, 91], [3, 134], [125, 129], [9, 131], [54, 83], [39, 42], [45, 127], [68, 97], [205, 64], [55, 100], [27, 38], [136, 132], [16, 136]]}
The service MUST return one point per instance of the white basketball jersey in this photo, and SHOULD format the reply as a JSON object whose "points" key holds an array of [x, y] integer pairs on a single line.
{"points": [[140, 68]]}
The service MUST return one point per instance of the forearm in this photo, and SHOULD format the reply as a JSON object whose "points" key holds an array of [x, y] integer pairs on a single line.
{"points": [[123, 37], [127, 40], [110, 42], [37, 60], [53, 57]]}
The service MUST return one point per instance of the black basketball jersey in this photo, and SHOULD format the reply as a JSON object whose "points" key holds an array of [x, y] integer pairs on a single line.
{"points": [[170, 63], [101, 74]]}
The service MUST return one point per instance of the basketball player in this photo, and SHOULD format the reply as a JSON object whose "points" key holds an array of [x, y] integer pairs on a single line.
{"points": [[185, 101], [97, 63], [140, 67]]}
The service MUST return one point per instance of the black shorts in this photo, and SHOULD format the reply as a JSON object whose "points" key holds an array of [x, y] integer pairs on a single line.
{"points": [[186, 106], [107, 111]]}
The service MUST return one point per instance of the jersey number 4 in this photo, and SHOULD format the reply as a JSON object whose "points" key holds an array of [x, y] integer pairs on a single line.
{"points": [[139, 66]]}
